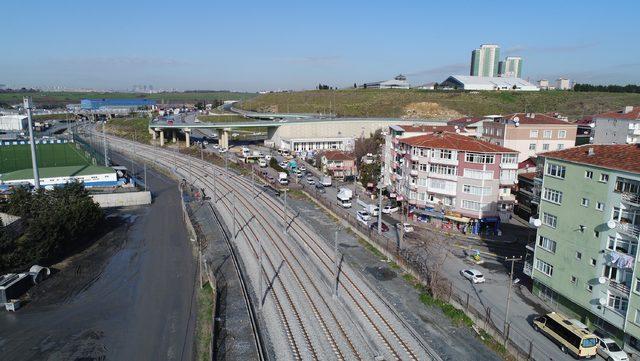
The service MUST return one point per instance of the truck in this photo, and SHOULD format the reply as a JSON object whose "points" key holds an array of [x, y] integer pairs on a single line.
{"points": [[346, 191], [262, 163], [325, 180], [369, 208], [283, 178], [344, 200]]}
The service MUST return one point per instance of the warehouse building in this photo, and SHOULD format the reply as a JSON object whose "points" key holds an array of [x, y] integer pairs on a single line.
{"points": [[466, 82], [90, 176], [13, 123], [104, 104]]}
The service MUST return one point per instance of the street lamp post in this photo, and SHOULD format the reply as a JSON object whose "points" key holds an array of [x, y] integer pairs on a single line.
{"points": [[336, 264], [506, 315]]}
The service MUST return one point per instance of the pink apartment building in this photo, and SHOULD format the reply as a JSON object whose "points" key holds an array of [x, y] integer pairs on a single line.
{"points": [[463, 176], [338, 164], [530, 133]]}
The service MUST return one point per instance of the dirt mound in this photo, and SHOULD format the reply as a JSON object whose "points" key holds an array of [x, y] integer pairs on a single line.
{"points": [[428, 110], [273, 108]]}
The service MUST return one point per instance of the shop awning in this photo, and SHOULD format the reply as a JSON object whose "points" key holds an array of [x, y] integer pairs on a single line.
{"points": [[458, 219], [433, 214]]}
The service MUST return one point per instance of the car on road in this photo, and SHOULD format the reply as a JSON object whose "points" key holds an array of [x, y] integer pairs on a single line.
{"points": [[271, 179], [216, 146], [283, 164], [363, 215], [320, 188], [388, 209], [473, 275], [267, 157], [303, 168], [610, 351], [406, 227], [383, 227], [223, 150], [310, 180]]}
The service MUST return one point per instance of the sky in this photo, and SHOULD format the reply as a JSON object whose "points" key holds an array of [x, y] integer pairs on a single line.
{"points": [[277, 45]]}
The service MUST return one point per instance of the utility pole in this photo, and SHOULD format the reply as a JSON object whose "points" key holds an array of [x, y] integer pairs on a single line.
{"points": [[104, 141], [261, 278], [215, 189], [380, 201], [32, 143], [284, 213], [253, 182], [336, 264], [145, 176], [233, 201], [226, 167], [506, 315]]}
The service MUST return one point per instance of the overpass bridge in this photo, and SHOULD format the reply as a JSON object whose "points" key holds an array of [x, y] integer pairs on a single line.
{"points": [[309, 128]]}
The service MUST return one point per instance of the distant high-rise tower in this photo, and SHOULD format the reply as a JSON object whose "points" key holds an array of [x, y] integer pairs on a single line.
{"points": [[484, 60], [511, 67]]}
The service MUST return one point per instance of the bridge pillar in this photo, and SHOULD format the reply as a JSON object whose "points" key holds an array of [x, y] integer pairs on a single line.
{"points": [[162, 137], [154, 134], [174, 133], [223, 138], [187, 137]]}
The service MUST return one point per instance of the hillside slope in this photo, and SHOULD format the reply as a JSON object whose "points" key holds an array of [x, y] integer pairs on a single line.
{"points": [[437, 104]]}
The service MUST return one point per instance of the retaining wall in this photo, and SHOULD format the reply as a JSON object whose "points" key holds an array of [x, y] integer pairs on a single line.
{"points": [[122, 199]]}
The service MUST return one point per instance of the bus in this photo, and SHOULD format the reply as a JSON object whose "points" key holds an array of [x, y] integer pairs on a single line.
{"points": [[570, 337]]}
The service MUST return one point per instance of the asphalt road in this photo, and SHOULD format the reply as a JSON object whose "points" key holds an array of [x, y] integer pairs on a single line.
{"points": [[141, 305]]}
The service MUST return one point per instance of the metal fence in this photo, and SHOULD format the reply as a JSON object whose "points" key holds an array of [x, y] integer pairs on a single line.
{"points": [[490, 320]]}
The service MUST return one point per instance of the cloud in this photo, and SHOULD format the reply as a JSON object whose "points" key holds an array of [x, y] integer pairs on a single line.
{"points": [[442, 69], [120, 61], [316, 60], [549, 49]]}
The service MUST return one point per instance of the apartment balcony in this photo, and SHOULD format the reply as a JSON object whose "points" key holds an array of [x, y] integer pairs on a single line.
{"points": [[414, 158], [413, 187], [442, 176], [395, 140], [509, 165], [630, 198], [402, 151], [507, 198], [446, 161], [528, 268], [448, 192], [507, 181], [628, 229], [634, 131], [413, 173], [619, 287]]}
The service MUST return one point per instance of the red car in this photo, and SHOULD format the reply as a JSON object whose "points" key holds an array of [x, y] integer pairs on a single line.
{"points": [[374, 226]]}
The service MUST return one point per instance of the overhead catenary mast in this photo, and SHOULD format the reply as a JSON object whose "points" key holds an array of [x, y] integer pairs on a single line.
{"points": [[32, 143]]}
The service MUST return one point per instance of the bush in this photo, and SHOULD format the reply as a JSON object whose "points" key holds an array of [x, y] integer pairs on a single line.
{"points": [[57, 222]]}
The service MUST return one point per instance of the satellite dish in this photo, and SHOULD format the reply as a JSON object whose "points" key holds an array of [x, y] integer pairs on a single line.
{"points": [[455, 127], [516, 119], [602, 280], [602, 301], [535, 222], [592, 125], [611, 224]]}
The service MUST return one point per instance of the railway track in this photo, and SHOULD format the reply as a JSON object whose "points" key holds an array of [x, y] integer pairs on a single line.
{"points": [[376, 314]]}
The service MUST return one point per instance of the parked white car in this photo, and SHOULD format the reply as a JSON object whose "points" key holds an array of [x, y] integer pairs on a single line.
{"points": [[610, 351], [473, 275], [406, 227], [389, 209], [310, 180], [363, 216]]}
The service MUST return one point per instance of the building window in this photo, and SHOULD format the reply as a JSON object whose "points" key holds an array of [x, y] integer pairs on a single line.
{"points": [[600, 206], [622, 245], [480, 158], [560, 146], [509, 159], [442, 169], [549, 220], [592, 262], [588, 174], [441, 154], [552, 195], [555, 170], [636, 288], [616, 302], [578, 255], [545, 146], [547, 244], [589, 288], [637, 318], [508, 175], [562, 134], [475, 190], [574, 279], [532, 146], [604, 177], [474, 206], [596, 234], [533, 134], [585, 202], [477, 174], [543, 267], [547, 134], [422, 167]]}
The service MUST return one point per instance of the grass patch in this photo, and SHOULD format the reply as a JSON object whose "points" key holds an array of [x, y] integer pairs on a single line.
{"points": [[496, 346], [369, 247], [296, 194], [16, 157], [394, 265], [398, 102], [204, 335], [130, 128], [457, 317]]}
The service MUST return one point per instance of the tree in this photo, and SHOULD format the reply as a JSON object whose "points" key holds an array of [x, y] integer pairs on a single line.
{"points": [[355, 85]]}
